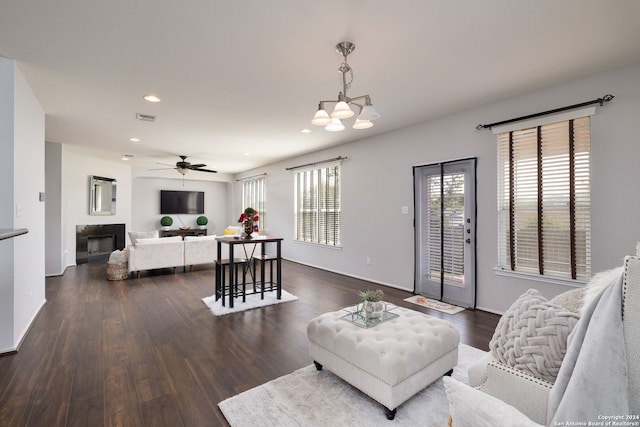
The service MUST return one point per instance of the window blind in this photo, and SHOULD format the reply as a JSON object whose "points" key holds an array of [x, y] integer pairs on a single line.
{"points": [[544, 199], [254, 194], [445, 230], [317, 205]]}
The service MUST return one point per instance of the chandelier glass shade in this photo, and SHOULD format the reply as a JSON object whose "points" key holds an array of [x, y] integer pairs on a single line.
{"points": [[344, 105]]}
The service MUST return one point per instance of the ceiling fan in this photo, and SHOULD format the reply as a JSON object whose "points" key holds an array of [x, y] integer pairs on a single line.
{"points": [[183, 167]]}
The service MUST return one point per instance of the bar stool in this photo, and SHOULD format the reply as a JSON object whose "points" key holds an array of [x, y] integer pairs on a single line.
{"points": [[263, 260], [221, 281]]}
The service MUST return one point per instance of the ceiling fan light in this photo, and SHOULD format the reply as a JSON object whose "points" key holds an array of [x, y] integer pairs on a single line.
{"points": [[342, 111], [182, 171], [362, 124], [321, 118], [335, 126], [369, 113]]}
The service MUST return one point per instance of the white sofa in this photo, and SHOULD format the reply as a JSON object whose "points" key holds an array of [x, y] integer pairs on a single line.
{"points": [[200, 250], [148, 254], [148, 251], [508, 396]]}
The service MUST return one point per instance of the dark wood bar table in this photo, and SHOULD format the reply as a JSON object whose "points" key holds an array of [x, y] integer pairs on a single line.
{"points": [[221, 288]]}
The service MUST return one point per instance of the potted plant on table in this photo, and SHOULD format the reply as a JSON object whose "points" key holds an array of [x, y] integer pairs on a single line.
{"points": [[372, 304], [166, 222], [202, 221]]}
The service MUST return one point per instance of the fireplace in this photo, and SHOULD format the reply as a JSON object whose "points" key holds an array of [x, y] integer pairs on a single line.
{"points": [[94, 243]]}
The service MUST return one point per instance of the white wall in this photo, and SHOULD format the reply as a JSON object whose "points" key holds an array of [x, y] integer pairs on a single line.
{"points": [[22, 142], [6, 207], [53, 210], [77, 166], [377, 182], [146, 203]]}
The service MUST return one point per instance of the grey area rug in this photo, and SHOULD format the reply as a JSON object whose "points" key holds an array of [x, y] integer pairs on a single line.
{"points": [[252, 301], [308, 397]]}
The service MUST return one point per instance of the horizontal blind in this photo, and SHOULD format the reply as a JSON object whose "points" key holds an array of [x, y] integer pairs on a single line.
{"points": [[453, 228], [525, 200], [254, 194], [544, 201], [444, 251], [433, 238], [318, 205]]}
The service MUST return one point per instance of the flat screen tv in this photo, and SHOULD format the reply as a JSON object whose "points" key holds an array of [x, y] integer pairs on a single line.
{"points": [[181, 202]]}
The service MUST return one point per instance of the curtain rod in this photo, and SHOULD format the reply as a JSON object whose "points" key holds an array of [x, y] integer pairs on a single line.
{"points": [[315, 163], [600, 101], [250, 177]]}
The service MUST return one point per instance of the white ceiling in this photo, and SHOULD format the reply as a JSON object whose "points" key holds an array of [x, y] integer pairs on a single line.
{"points": [[245, 76]]}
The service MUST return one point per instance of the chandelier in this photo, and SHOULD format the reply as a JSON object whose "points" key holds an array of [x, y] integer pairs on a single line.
{"points": [[344, 105]]}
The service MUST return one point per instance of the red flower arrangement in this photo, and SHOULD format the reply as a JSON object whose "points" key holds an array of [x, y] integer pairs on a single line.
{"points": [[252, 215]]}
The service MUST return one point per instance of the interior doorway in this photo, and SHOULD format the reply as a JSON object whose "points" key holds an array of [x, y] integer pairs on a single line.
{"points": [[445, 231]]}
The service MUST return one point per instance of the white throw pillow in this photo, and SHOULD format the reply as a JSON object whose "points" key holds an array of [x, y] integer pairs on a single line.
{"points": [[469, 407], [135, 235], [532, 335]]}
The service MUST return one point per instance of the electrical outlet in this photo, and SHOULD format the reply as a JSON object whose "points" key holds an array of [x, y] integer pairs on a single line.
{"points": [[368, 261]]}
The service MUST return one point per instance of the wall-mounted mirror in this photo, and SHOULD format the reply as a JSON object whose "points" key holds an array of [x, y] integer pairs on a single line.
{"points": [[102, 195]]}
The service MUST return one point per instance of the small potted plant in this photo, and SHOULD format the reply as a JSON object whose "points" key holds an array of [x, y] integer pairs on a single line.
{"points": [[166, 222], [202, 221], [372, 304]]}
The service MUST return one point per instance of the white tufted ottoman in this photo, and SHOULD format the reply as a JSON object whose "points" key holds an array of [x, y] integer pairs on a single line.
{"points": [[391, 361]]}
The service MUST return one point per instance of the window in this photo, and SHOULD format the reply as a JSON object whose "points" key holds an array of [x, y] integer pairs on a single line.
{"points": [[254, 192], [317, 206], [544, 200]]}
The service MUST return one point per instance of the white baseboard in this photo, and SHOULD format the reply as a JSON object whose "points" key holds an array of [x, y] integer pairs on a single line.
{"points": [[366, 279], [25, 333]]}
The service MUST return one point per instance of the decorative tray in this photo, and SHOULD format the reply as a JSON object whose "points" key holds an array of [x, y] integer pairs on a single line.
{"points": [[356, 316]]}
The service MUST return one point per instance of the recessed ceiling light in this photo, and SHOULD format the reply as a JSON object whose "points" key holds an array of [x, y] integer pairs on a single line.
{"points": [[126, 156], [134, 139], [247, 154], [151, 98], [306, 131]]}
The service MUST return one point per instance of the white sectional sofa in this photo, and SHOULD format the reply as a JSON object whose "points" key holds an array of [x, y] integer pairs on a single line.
{"points": [[200, 250], [147, 254], [148, 251]]}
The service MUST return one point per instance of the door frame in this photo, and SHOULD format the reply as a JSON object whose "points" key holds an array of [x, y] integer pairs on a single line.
{"points": [[473, 214]]}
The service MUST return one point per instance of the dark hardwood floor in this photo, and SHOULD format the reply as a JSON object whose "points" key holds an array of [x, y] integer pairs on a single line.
{"points": [[148, 352]]}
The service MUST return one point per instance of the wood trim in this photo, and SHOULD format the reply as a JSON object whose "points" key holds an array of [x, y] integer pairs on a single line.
{"points": [[540, 210], [572, 199], [512, 240]]}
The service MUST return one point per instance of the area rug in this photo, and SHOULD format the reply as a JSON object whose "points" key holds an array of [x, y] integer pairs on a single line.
{"points": [[435, 305], [308, 397], [253, 301]]}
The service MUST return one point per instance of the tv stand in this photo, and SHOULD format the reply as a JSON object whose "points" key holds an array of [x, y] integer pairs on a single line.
{"points": [[182, 233]]}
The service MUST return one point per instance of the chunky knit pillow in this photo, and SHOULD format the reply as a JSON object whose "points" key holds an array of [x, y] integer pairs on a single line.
{"points": [[532, 335]]}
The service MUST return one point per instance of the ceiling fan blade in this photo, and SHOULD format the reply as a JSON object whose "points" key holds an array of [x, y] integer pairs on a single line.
{"points": [[199, 165], [204, 170], [163, 164], [161, 169]]}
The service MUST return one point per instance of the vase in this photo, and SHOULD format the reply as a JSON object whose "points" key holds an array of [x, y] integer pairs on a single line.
{"points": [[372, 309], [247, 225]]}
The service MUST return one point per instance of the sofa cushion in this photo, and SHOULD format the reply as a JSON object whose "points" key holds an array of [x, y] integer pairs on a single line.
{"points": [[153, 241], [532, 335], [201, 238], [135, 235], [469, 407], [570, 300]]}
